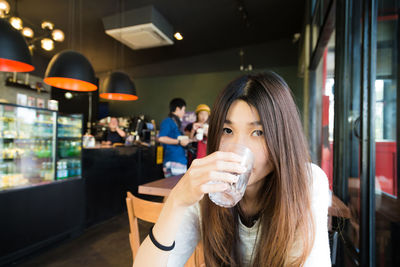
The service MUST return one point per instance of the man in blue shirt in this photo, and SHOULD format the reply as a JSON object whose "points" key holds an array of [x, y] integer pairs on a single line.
{"points": [[174, 154]]}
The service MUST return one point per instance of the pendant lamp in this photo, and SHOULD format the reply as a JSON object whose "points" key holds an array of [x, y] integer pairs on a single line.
{"points": [[14, 52], [118, 86], [71, 70]]}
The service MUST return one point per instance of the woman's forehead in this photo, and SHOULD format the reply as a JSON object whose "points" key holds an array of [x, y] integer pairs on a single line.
{"points": [[240, 112]]}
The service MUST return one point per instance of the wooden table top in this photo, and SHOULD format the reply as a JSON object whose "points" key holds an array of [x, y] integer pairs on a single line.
{"points": [[160, 187], [164, 186]]}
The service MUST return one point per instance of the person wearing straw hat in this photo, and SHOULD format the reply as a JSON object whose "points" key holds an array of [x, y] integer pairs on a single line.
{"points": [[198, 133]]}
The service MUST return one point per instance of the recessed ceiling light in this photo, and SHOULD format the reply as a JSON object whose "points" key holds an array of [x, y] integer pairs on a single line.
{"points": [[178, 36]]}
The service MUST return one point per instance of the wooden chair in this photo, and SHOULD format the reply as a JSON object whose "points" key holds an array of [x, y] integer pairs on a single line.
{"points": [[150, 211]]}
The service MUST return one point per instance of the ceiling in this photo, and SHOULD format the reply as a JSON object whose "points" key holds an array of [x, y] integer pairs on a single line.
{"points": [[206, 25]]}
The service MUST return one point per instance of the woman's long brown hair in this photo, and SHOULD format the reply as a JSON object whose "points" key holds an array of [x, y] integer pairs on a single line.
{"points": [[286, 232]]}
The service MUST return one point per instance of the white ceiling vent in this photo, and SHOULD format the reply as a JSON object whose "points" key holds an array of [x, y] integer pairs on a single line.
{"points": [[139, 28], [140, 36]]}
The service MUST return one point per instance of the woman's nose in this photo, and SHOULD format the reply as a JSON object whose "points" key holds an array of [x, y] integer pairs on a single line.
{"points": [[239, 139]]}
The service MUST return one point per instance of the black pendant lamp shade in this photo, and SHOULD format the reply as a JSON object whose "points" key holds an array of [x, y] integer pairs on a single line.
{"points": [[14, 52], [118, 86], [70, 70]]}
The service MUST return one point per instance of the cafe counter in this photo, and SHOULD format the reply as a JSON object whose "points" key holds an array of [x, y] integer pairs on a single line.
{"points": [[110, 172], [37, 217]]}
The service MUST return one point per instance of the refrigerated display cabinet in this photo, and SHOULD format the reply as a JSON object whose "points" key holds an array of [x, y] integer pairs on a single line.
{"points": [[29, 139], [69, 146], [27, 146]]}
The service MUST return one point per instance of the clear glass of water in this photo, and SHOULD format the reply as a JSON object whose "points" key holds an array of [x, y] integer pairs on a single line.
{"points": [[235, 192]]}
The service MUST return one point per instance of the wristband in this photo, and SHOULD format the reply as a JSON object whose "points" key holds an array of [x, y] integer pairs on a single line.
{"points": [[179, 142], [158, 245]]}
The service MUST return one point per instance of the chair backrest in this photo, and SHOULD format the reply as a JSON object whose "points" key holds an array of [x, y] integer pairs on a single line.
{"points": [[150, 211], [143, 209]]}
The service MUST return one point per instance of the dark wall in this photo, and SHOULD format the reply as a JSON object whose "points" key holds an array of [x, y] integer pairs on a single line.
{"points": [[40, 62], [156, 92], [199, 79], [261, 56]]}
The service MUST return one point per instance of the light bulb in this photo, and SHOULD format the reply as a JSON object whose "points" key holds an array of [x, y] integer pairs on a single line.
{"points": [[4, 8], [27, 32], [47, 44], [16, 23], [58, 35], [178, 36], [47, 25], [68, 95]]}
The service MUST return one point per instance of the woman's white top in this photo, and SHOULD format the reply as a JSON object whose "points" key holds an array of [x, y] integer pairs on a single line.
{"points": [[190, 233]]}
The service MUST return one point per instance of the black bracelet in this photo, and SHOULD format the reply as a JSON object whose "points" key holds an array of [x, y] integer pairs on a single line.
{"points": [[179, 142], [155, 242]]}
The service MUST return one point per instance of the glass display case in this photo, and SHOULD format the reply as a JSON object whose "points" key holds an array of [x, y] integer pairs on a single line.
{"points": [[69, 136], [27, 146]]}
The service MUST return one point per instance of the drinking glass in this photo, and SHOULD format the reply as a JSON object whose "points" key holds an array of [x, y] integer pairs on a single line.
{"points": [[235, 192]]}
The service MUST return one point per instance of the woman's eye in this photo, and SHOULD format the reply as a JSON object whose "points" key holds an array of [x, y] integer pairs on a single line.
{"points": [[257, 133], [227, 131]]}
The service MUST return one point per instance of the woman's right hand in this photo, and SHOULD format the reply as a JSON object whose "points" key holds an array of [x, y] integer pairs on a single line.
{"points": [[217, 167]]}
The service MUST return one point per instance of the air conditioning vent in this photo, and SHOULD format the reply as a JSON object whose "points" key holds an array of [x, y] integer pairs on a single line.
{"points": [[139, 28], [140, 36]]}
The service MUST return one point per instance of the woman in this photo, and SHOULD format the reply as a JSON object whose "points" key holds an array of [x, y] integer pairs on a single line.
{"points": [[198, 132], [282, 218], [114, 133]]}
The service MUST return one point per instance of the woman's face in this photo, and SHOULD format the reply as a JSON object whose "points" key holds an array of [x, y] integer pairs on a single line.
{"points": [[242, 125], [202, 116], [113, 123]]}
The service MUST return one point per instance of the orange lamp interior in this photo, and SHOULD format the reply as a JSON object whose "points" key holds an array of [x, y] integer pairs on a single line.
{"points": [[116, 96], [14, 66], [70, 84]]}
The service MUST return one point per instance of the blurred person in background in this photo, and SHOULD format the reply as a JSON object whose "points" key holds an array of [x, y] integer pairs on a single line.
{"points": [[175, 162], [198, 131], [114, 134]]}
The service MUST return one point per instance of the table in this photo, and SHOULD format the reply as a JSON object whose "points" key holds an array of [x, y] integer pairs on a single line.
{"points": [[164, 186], [160, 187]]}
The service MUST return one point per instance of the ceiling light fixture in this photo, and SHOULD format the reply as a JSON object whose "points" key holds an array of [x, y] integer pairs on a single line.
{"points": [[27, 32], [70, 70], [58, 35], [16, 23], [46, 30], [14, 52], [243, 13], [50, 35], [68, 95], [242, 65], [47, 25], [4, 8], [118, 86], [178, 36], [47, 44]]}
